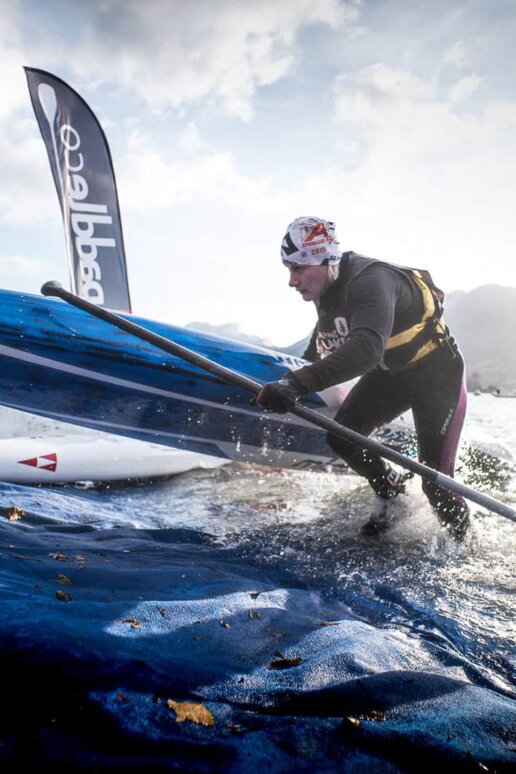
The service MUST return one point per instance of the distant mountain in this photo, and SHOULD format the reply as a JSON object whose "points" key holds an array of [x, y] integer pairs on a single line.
{"points": [[229, 331], [232, 331], [297, 348], [481, 320]]}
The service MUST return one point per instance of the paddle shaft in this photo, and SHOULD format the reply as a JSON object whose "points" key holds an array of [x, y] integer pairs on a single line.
{"points": [[314, 417]]}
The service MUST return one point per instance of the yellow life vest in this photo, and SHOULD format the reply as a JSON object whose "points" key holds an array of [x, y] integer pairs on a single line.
{"points": [[431, 323]]}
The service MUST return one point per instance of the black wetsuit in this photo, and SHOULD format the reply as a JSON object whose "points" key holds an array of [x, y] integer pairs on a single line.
{"points": [[367, 305]]}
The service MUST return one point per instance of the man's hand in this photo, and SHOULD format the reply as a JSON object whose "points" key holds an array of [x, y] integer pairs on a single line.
{"points": [[278, 396]]}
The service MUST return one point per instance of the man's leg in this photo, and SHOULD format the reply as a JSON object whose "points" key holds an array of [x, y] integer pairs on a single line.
{"points": [[439, 407], [378, 398]]}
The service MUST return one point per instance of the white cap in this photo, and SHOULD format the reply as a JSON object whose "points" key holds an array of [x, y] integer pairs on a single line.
{"points": [[310, 242]]}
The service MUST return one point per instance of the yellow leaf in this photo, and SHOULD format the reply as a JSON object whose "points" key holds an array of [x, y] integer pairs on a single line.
{"points": [[195, 713], [134, 624], [14, 513]]}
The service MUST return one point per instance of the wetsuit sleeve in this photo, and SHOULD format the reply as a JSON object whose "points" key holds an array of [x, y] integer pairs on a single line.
{"points": [[310, 352], [371, 302]]}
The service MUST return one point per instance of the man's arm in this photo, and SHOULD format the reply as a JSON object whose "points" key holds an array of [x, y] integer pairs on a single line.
{"points": [[310, 352], [371, 301]]}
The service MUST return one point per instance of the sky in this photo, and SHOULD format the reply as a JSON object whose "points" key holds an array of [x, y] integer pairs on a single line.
{"points": [[227, 119]]}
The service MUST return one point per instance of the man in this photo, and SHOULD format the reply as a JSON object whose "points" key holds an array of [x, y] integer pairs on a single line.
{"points": [[384, 323]]}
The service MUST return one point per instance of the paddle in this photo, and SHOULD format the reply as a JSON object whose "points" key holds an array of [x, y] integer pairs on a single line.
{"points": [[232, 377]]}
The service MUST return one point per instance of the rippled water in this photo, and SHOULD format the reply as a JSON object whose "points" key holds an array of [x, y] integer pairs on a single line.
{"points": [[496, 416], [308, 527]]}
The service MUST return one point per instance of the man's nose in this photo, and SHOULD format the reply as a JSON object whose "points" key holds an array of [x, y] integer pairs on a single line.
{"points": [[293, 279]]}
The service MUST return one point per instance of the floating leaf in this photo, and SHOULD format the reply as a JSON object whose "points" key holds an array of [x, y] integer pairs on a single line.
{"points": [[225, 624], [134, 624], [375, 715], [195, 713], [326, 623], [14, 513], [64, 580], [62, 596], [58, 556], [354, 722], [254, 614], [285, 663]]}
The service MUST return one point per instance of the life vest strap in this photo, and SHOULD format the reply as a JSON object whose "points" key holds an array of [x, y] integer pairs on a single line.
{"points": [[432, 322], [431, 310]]}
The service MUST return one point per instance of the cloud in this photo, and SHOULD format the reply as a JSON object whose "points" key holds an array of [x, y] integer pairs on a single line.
{"points": [[456, 55], [190, 139], [20, 266], [27, 192], [174, 53], [402, 114], [464, 88], [426, 168], [154, 179], [12, 58]]}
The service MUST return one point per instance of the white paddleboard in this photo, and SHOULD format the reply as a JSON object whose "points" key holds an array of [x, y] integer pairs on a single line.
{"points": [[57, 459]]}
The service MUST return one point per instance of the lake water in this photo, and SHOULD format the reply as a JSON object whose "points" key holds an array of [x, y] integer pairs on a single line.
{"points": [[496, 415], [254, 591]]}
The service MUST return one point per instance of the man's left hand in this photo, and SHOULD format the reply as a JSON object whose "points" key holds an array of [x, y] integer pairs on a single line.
{"points": [[278, 396]]}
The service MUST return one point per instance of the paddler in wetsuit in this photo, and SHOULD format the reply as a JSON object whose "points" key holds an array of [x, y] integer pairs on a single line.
{"points": [[384, 323]]}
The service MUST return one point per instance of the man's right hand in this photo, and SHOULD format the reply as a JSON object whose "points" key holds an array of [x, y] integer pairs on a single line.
{"points": [[278, 396]]}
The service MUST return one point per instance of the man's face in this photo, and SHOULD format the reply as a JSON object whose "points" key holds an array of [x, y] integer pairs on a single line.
{"points": [[310, 281]]}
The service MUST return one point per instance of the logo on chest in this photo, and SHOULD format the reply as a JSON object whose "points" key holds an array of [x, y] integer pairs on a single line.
{"points": [[330, 340], [341, 327]]}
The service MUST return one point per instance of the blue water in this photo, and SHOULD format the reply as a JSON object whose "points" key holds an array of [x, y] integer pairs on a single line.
{"points": [[254, 592]]}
